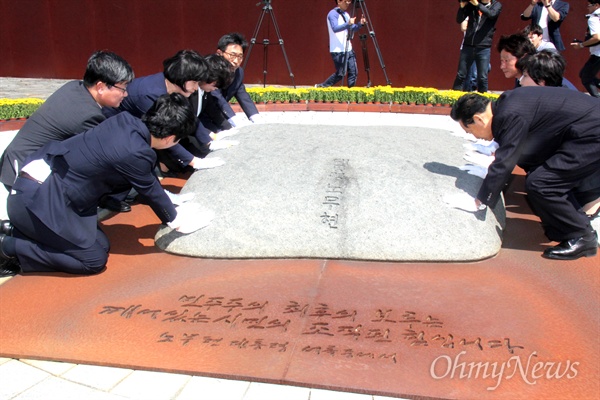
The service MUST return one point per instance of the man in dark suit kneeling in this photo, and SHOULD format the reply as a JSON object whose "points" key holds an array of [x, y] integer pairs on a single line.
{"points": [[53, 203]]}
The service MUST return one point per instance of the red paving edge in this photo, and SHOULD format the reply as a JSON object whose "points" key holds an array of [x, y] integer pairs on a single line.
{"points": [[369, 327]]}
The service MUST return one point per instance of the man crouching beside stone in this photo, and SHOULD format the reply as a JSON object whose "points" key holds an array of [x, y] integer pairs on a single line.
{"points": [[554, 135], [53, 204]]}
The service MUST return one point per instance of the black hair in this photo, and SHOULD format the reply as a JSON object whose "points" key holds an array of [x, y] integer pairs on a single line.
{"points": [[220, 70], [517, 44], [186, 65], [105, 66], [594, 1], [547, 66], [232, 38], [467, 106], [534, 29], [171, 114]]}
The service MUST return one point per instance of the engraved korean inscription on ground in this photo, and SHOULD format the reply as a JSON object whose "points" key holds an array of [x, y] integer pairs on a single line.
{"points": [[335, 331]]}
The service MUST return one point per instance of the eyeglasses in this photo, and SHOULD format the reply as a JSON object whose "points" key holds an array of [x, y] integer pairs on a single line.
{"points": [[124, 90], [235, 56]]}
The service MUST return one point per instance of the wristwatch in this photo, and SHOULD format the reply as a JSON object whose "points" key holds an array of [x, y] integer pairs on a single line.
{"points": [[581, 46], [548, 6]]}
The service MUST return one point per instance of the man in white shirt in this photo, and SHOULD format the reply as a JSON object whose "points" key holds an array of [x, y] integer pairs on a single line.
{"points": [[549, 15], [340, 25], [590, 70]]}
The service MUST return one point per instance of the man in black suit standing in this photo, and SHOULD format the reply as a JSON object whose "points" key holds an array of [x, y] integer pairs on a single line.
{"points": [[52, 206], [549, 15], [553, 134]]}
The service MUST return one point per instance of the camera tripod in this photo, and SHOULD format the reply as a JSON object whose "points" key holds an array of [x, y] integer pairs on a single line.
{"points": [[363, 39], [268, 9]]}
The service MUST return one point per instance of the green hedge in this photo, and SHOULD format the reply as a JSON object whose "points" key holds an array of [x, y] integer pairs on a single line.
{"points": [[23, 108], [382, 94], [18, 108]]}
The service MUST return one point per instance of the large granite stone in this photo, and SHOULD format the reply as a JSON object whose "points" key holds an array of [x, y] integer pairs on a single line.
{"points": [[342, 192]]}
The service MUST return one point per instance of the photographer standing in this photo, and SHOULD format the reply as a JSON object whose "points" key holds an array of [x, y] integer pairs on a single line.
{"points": [[592, 40], [549, 15], [340, 25], [477, 43]]}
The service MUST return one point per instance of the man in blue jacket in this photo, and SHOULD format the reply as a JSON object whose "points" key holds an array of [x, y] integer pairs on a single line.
{"points": [[477, 43], [52, 206]]}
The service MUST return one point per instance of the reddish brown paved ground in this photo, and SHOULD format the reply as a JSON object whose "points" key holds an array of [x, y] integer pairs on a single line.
{"points": [[359, 326]]}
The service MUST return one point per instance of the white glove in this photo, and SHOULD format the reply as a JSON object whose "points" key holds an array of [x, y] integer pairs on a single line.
{"points": [[191, 217], [223, 134], [179, 199], [206, 163], [222, 144], [237, 121], [463, 202], [488, 150], [479, 159], [257, 119], [476, 170]]}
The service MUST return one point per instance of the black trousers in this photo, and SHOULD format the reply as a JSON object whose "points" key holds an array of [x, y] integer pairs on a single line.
{"points": [[39, 249], [588, 75], [551, 194]]}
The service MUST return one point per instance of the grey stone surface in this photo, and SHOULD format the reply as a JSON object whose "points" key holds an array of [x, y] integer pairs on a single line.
{"points": [[350, 192]]}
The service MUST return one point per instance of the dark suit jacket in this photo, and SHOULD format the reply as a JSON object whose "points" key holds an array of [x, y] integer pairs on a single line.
{"points": [[141, 95], [562, 7], [113, 155], [237, 89], [542, 125], [68, 111]]}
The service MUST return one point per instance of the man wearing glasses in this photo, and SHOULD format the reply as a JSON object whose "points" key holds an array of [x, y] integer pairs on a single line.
{"points": [[74, 108], [185, 73], [217, 114]]}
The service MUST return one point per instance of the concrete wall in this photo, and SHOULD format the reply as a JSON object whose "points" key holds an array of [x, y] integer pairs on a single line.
{"points": [[419, 40]]}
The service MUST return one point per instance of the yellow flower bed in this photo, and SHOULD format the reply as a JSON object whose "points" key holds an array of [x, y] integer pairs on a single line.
{"points": [[23, 108], [18, 108], [382, 94]]}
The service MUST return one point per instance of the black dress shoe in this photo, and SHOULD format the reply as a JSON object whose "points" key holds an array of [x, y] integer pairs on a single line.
{"points": [[585, 246], [9, 267], [112, 204], [6, 227]]}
